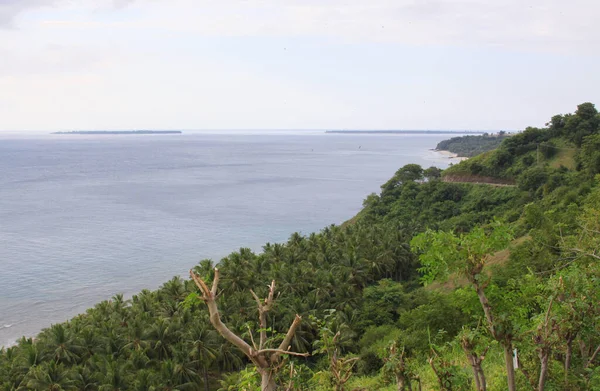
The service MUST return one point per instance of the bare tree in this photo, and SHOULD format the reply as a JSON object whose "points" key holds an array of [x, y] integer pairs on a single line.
{"points": [[267, 360]]}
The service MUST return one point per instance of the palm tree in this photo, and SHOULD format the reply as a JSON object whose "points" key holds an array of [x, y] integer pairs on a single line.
{"points": [[137, 360], [104, 309], [50, 376], [61, 346], [136, 333], [89, 343], [12, 372], [143, 381], [228, 358], [144, 301], [113, 342], [84, 380], [174, 377], [31, 355], [205, 267], [160, 336], [168, 308], [185, 370], [174, 289], [202, 344], [119, 303], [113, 376]]}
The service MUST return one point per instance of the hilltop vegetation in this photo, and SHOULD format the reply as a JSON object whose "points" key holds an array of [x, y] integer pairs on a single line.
{"points": [[530, 157], [469, 146], [426, 281]]}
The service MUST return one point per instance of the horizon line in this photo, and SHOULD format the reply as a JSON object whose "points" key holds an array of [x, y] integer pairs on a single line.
{"points": [[259, 129]]}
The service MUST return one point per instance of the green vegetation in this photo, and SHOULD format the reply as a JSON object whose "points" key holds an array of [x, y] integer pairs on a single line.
{"points": [[569, 141], [433, 285], [469, 146]]}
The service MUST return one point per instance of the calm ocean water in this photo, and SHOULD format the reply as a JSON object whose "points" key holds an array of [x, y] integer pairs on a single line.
{"points": [[85, 217]]}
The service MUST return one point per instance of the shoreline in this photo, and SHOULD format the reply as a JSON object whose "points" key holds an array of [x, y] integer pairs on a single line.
{"points": [[450, 155]]}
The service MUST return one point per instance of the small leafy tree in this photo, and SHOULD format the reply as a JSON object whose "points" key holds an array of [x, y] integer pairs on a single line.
{"points": [[444, 253], [432, 173], [329, 343], [451, 377], [396, 366]]}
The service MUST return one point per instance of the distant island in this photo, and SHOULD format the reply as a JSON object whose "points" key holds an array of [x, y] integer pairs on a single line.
{"points": [[405, 131], [121, 132]]}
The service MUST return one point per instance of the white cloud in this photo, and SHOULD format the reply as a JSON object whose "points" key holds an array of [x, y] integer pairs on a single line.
{"points": [[48, 59], [12, 9], [132, 63], [165, 95], [9, 9], [513, 24]]}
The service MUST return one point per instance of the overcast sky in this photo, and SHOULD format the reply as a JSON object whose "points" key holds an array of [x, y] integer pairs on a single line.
{"points": [[295, 64]]}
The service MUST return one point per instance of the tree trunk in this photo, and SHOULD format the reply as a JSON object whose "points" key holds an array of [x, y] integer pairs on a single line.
{"points": [[487, 309], [482, 378], [267, 380], [510, 368], [544, 355], [205, 379], [400, 382], [568, 356], [475, 373], [419, 385], [475, 360], [583, 350]]}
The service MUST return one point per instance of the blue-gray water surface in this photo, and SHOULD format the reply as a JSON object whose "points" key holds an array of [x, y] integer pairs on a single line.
{"points": [[85, 217]]}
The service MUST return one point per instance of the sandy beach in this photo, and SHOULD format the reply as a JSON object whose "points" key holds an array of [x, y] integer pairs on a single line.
{"points": [[453, 156]]}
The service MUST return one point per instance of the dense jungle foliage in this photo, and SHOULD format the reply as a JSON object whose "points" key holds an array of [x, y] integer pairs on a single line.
{"points": [[469, 146], [433, 285]]}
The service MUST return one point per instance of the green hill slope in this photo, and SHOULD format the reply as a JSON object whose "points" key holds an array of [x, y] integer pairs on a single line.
{"points": [[469, 146]]}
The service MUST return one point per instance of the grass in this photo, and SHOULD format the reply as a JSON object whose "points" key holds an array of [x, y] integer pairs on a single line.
{"points": [[566, 157], [497, 259]]}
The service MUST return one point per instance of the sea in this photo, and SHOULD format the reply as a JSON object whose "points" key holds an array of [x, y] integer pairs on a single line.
{"points": [[84, 217]]}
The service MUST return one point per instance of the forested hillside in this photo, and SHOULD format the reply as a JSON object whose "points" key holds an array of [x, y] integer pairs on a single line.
{"points": [[434, 285], [469, 146]]}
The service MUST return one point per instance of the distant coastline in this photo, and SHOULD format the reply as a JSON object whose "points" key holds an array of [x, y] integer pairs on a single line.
{"points": [[405, 131], [121, 132]]}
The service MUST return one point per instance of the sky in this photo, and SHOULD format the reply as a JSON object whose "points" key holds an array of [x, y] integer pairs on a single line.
{"points": [[295, 64]]}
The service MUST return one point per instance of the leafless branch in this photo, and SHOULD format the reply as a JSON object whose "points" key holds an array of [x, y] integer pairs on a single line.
{"points": [[215, 316], [290, 334], [252, 338], [279, 352], [591, 360], [586, 253], [267, 360], [215, 283]]}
